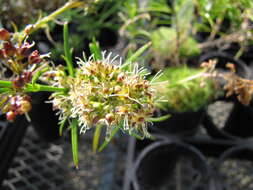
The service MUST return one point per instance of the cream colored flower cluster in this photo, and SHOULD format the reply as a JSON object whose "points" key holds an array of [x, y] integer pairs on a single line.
{"points": [[104, 92]]}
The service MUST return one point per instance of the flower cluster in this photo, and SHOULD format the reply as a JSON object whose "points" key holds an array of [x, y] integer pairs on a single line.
{"points": [[18, 63], [17, 56], [17, 105], [103, 92]]}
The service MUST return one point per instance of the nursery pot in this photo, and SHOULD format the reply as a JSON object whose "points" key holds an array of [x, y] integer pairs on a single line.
{"points": [[43, 118], [170, 165], [237, 124], [235, 168], [223, 58], [11, 135], [180, 124]]}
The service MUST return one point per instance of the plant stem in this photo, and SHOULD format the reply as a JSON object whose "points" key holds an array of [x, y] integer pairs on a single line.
{"points": [[41, 22], [33, 87], [5, 84], [96, 138], [67, 51], [45, 88], [74, 140]]}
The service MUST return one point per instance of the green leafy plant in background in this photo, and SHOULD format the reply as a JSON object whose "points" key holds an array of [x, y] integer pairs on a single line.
{"points": [[100, 20], [173, 38], [227, 22], [176, 28], [185, 89]]}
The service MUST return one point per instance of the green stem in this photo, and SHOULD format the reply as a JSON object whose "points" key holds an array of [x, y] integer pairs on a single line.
{"points": [[74, 140], [96, 138], [45, 88], [67, 51], [41, 22], [33, 87], [5, 84]]}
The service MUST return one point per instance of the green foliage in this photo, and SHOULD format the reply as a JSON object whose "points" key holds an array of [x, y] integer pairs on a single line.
{"points": [[232, 10], [164, 43], [184, 89]]}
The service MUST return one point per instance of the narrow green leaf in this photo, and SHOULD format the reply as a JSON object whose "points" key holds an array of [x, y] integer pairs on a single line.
{"points": [[62, 124], [136, 136], [136, 55], [2, 90], [159, 119], [106, 142], [38, 74], [74, 140], [7, 84], [96, 138], [67, 50], [95, 50]]}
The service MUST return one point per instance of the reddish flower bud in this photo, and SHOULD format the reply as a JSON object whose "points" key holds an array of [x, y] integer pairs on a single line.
{"points": [[10, 115], [25, 106], [9, 49], [4, 34], [34, 57], [109, 117], [18, 82], [24, 49], [120, 77], [1, 53], [26, 76]]}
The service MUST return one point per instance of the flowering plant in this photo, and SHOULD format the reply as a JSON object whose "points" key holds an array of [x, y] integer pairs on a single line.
{"points": [[101, 91]]}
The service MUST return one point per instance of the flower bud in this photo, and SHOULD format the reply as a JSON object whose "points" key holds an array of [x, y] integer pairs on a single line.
{"points": [[34, 57], [1, 54], [109, 117], [4, 34], [18, 82], [24, 49], [25, 106], [9, 49], [117, 89], [120, 77], [10, 115]]}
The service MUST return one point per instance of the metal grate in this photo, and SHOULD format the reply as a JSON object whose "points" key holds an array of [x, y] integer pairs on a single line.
{"points": [[39, 165]]}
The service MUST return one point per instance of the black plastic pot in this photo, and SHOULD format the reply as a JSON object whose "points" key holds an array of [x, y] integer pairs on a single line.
{"points": [[179, 124], [170, 165], [223, 58], [237, 126], [11, 135], [235, 168], [43, 118], [238, 123]]}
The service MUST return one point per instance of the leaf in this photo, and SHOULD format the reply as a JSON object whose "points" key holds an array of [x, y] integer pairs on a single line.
{"points": [[159, 119], [96, 138], [136, 55], [95, 49], [37, 75], [136, 136], [67, 50], [106, 142], [62, 124], [74, 140]]}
